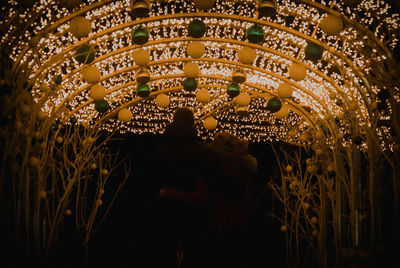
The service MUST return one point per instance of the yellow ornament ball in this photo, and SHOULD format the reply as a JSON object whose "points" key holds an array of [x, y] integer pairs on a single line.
{"points": [[288, 168], [210, 123], [41, 115], [105, 172], [98, 92], [99, 202], [247, 55], [314, 220], [162, 100], [303, 137], [297, 72], [285, 90], [80, 27], [331, 25], [125, 115], [59, 139], [141, 57], [191, 70], [196, 49], [204, 4], [283, 228], [283, 112], [292, 133], [34, 161], [43, 195], [243, 99], [203, 95], [68, 212], [93, 166], [91, 74]]}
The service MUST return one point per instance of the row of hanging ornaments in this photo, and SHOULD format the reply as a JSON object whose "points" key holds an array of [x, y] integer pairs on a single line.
{"points": [[81, 27]]}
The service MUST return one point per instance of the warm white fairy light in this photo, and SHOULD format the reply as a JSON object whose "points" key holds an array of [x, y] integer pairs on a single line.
{"points": [[115, 14]]}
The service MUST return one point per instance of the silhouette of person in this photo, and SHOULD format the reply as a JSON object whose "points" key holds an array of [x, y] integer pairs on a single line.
{"points": [[230, 200], [180, 166]]}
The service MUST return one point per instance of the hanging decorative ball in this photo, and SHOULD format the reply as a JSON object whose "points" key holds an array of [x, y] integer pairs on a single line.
{"points": [[288, 168], [255, 34], [98, 92], [105, 172], [239, 76], [331, 25], [59, 139], [315, 233], [69, 4], [266, 8], [197, 29], [383, 94], [99, 202], [43, 195], [125, 115], [357, 140], [162, 100], [247, 55], [382, 106], [93, 166], [210, 123], [91, 74], [85, 54], [313, 52], [101, 106], [319, 152], [274, 105], [191, 70], [303, 137], [285, 90], [68, 212], [203, 95], [196, 49], [242, 110], [305, 205], [140, 35], [283, 228], [25, 110], [314, 220], [233, 89], [42, 115], [141, 57], [332, 95], [140, 9], [292, 133], [58, 79], [283, 112], [352, 3], [143, 76], [340, 135], [80, 27], [204, 4], [34, 162], [190, 84], [243, 99], [143, 90], [319, 134], [297, 71], [330, 167]]}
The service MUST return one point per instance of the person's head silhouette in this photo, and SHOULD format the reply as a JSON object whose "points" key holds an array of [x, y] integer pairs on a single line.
{"points": [[182, 127]]}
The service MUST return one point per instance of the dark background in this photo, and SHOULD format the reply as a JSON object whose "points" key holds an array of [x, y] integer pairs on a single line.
{"points": [[129, 236]]}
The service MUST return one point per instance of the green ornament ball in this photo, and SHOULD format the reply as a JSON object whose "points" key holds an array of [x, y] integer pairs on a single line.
{"points": [[274, 105], [58, 79], [101, 106], [85, 54], [143, 90], [382, 106], [383, 94], [233, 90], [197, 29], [140, 35], [190, 84], [313, 52], [255, 34], [357, 140]]}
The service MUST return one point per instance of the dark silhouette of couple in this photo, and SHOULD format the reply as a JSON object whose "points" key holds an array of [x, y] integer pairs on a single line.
{"points": [[205, 195]]}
